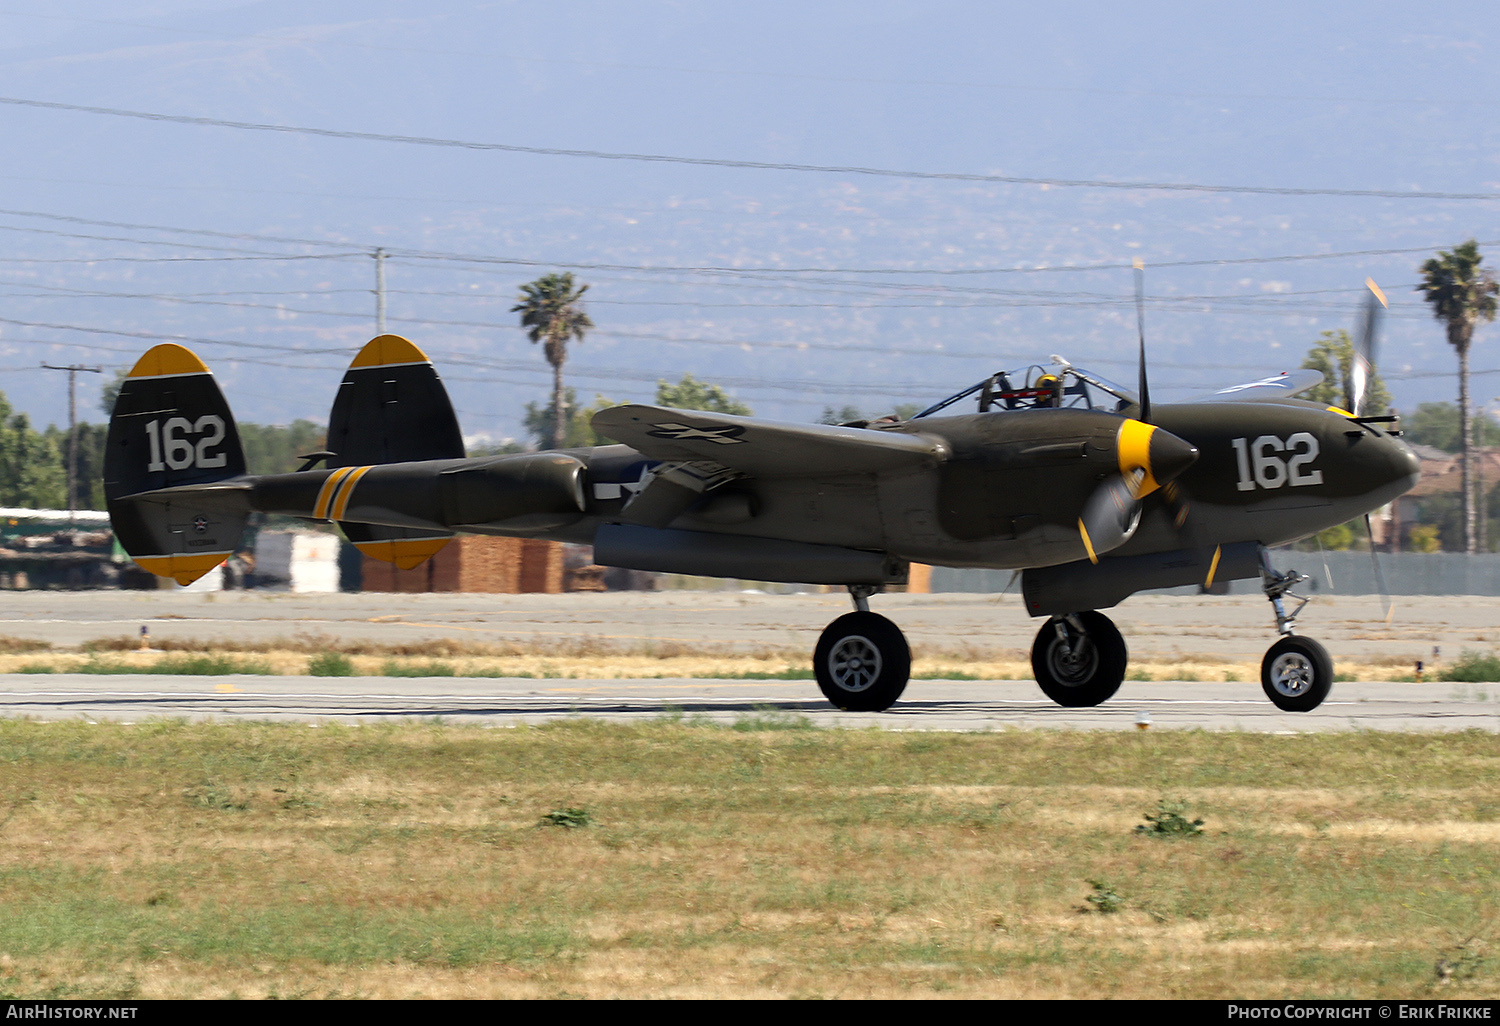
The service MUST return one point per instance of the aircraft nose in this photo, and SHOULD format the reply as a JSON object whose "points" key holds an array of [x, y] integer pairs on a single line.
{"points": [[1158, 453], [1401, 464]]}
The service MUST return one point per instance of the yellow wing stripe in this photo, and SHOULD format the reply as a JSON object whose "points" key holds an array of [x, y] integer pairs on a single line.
{"points": [[384, 350], [346, 489], [325, 494], [184, 568], [169, 358]]}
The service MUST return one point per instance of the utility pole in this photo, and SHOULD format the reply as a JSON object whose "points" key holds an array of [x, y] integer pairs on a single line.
{"points": [[73, 372], [379, 291]]}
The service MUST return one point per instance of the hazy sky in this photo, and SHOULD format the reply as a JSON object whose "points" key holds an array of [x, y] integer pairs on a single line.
{"points": [[1326, 97]]}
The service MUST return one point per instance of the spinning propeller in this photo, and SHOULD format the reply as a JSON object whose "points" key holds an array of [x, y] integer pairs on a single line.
{"points": [[1356, 387], [1149, 458], [1362, 363]]}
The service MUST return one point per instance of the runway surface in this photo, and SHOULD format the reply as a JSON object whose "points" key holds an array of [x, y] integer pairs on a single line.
{"points": [[1159, 627], [927, 705]]}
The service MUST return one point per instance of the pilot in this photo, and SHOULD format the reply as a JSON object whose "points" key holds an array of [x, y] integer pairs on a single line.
{"points": [[1051, 389]]}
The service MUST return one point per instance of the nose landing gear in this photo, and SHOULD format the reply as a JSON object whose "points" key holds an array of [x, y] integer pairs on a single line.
{"points": [[1296, 673]]}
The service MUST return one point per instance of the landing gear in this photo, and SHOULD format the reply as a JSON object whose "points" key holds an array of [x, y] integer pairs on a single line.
{"points": [[862, 661], [1296, 673], [1079, 659]]}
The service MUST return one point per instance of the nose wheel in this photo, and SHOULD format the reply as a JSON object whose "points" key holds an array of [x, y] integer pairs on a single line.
{"points": [[1296, 674]]}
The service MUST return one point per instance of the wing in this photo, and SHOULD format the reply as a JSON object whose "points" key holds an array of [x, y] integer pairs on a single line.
{"points": [[766, 447], [1278, 386]]}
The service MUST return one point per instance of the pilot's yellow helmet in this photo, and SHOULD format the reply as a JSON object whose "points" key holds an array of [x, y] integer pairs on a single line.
{"points": [[1047, 381]]}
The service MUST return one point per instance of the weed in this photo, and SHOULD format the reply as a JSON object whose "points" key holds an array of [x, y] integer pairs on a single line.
{"points": [[429, 669], [21, 646], [1105, 901], [1461, 962], [1138, 674], [1169, 821], [1474, 667], [330, 664], [569, 818]]}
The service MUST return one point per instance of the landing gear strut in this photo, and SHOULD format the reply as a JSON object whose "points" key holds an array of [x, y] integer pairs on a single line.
{"points": [[862, 661], [1079, 659], [1296, 673]]}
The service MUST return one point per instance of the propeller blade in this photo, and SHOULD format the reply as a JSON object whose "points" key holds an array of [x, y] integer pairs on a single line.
{"points": [[1140, 323], [1362, 363], [1111, 514], [1385, 595]]}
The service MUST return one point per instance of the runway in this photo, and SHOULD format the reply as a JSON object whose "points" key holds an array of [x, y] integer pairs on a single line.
{"points": [[927, 705], [1161, 627]]}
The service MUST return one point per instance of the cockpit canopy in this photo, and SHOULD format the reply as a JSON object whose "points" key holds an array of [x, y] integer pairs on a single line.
{"points": [[1039, 387]]}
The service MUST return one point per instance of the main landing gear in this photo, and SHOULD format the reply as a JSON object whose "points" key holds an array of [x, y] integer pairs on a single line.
{"points": [[862, 661], [1079, 659]]}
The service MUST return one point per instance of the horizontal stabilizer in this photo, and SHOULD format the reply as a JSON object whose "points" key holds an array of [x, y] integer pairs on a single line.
{"points": [[765, 447]]}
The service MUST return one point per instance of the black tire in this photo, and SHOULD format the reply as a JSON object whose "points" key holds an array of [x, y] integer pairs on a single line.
{"points": [[1296, 674], [862, 662], [1094, 670]]}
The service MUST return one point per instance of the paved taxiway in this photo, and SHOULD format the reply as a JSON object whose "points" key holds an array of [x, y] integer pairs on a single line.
{"points": [[927, 705], [1159, 627]]}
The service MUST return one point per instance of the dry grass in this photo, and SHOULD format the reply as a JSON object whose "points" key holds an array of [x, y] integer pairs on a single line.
{"points": [[177, 860], [591, 659]]}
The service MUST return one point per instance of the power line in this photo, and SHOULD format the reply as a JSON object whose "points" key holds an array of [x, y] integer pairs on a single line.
{"points": [[756, 165], [438, 255]]}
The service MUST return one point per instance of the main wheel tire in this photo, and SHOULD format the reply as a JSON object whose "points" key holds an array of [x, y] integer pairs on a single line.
{"points": [[1296, 674], [862, 662], [1091, 673]]}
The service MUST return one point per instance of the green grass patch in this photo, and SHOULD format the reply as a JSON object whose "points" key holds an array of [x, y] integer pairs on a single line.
{"points": [[428, 669], [1474, 668], [330, 664]]}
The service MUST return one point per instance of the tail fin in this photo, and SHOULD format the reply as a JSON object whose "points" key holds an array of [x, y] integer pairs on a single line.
{"points": [[392, 408], [172, 436]]}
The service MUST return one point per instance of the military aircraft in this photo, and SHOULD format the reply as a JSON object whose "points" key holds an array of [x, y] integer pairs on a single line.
{"points": [[1082, 485]]}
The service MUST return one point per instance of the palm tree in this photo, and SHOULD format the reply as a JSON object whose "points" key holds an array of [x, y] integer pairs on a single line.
{"points": [[1462, 295], [550, 312]]}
